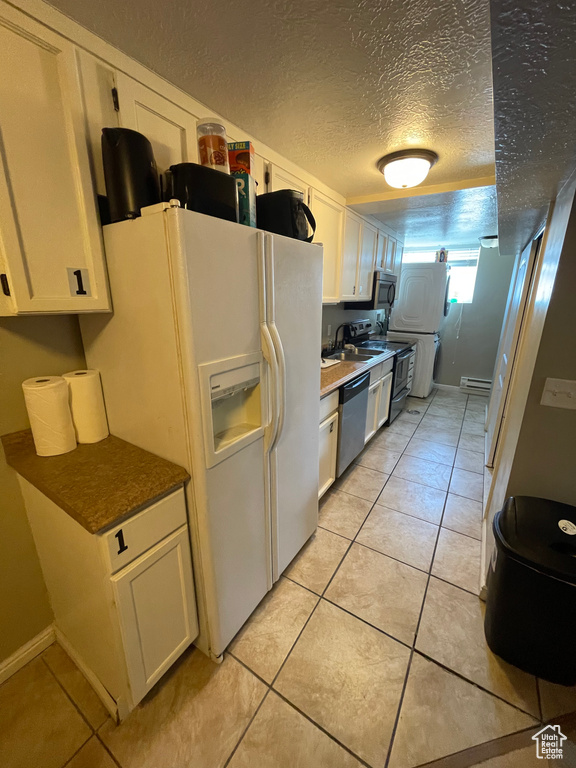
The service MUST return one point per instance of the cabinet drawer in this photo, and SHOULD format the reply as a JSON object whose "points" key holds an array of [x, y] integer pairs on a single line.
{"points": [[328, 405], [127, 541], [381, 370]]}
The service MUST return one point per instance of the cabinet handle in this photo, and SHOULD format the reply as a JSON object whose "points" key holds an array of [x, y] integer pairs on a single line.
{"points": [[332, 427], [122, 546], [78, 275], [353, 290]]}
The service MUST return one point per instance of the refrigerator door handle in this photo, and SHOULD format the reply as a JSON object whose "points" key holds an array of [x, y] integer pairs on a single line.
{"points": [[268, 351], [271, 431], [276, 340]]}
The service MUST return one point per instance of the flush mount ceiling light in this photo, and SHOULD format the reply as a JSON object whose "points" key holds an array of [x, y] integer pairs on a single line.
{"points": [[407, 168], [490, 241]]}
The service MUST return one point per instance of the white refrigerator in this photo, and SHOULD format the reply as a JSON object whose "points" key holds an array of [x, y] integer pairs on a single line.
{"points": [[211, 361], [421, 305]]}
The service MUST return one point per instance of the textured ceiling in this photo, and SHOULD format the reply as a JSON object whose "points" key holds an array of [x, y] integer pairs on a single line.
{"points": [[447, 219], [332, 86], [535, 110]]}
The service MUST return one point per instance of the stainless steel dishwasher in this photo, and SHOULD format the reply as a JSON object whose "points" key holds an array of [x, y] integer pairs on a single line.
{"points": [[352, 414]]}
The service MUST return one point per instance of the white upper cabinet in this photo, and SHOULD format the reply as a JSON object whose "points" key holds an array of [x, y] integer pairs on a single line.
{"points": [[366, 261], [281, 179], [51, 254], [351, 252], [381, 247], [390, 254], [357, 259], [170, 129], [329, 217], [397, 266]]}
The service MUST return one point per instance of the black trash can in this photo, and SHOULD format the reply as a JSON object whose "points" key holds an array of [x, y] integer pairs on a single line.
{"points": [[530, 617]]}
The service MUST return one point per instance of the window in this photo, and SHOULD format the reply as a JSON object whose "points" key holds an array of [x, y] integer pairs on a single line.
{"points": [[463, 263]]}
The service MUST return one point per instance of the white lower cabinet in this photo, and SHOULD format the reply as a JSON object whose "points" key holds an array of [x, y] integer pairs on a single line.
{"points": [[123, 601], [372, 410], [154, 596], [384, 402], [328, 442]]}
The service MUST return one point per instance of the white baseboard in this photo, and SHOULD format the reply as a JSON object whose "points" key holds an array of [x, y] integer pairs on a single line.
{"points": [[27, 652], [114, 708]]}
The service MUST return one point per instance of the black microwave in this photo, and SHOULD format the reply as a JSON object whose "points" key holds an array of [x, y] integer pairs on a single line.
{"points": [[383, 292]]}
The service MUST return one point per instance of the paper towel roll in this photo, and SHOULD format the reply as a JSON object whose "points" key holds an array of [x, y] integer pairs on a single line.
{"points": [[48, 409], [87, 405]]}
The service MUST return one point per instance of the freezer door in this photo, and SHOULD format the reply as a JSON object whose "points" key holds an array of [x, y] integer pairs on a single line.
{"points": [[420, 306], [293, 316]]}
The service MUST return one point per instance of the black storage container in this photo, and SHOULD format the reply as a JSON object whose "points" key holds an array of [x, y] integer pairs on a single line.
{"points": [[204, 190], [285, 213], [531, 602], [129, 171]]}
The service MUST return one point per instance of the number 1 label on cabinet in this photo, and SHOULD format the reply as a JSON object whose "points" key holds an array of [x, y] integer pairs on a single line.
{"points": [[79, 282]]}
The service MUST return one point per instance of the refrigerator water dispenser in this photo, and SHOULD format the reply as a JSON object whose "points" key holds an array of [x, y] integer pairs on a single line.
{"points": [[232, 400]]}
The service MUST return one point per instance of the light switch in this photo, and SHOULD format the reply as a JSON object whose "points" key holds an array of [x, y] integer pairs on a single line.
{"points": [[559, 393]]}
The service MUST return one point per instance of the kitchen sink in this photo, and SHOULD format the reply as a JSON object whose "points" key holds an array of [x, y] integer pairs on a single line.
{"points": [[361, 356]]}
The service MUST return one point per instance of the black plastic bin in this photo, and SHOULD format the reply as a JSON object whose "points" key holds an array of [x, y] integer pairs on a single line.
{"points": [[531, 602]]}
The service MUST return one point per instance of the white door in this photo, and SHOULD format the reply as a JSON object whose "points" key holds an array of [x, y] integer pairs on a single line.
{"points": [[328, 450], [421, 301], [350, 257], [295, 273], [372, 410], [366, 261], [507, 350], [329, 217], [385, 397], [155, 601], [170, 129], [51, 253]]}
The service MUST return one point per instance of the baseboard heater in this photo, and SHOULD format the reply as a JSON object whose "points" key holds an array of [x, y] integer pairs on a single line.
{"points": [[478, 386]]}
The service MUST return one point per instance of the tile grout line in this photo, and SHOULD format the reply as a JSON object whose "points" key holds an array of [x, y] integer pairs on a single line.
{"points": [[245, 731], [413, 650], [76, 707], [476, 685], [321, 728], [106, 748]]}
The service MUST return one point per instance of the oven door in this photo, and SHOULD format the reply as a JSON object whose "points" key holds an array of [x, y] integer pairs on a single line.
{"points": [[402, 368]]}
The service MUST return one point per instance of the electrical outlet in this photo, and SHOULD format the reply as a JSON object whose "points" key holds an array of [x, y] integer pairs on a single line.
{"points": [[329, 331], [559, 393]]}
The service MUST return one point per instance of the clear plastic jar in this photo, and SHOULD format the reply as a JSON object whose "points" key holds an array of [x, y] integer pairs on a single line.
{"points": [[213, 145]]}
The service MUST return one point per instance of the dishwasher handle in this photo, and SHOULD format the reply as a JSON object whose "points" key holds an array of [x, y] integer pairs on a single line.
{"points": [[354, 388]]}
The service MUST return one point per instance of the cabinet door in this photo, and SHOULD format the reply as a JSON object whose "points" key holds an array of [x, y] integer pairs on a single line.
{"points": [[170, 129], [155, 601], [328, 451], [281, 179], [329, 217], [385, 396], [50, 240], [381, 247], [390, 253], [397, 266], [366, 261], [372, 411], [350, 257]]}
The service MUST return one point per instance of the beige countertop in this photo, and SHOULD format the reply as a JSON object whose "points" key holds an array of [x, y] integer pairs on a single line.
{"points": [[97, 484]]}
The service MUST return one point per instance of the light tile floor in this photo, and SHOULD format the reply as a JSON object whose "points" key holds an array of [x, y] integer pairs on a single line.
{"points": [[368, 652]]}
